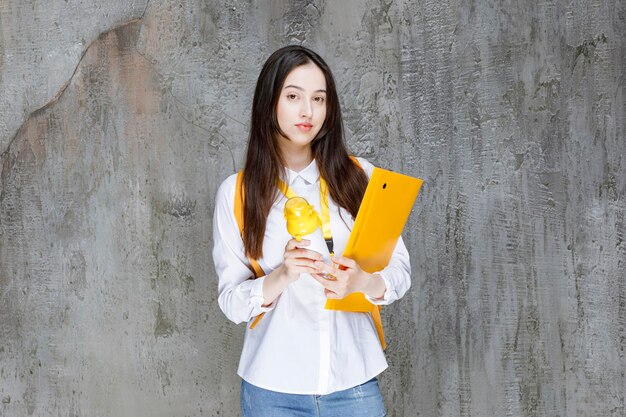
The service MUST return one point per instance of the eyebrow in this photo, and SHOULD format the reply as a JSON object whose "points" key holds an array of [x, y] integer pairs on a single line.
{"points": [[301, 89]]}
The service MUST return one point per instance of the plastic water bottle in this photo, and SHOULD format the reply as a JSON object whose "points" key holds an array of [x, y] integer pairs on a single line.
{"points": [[304, 222]]}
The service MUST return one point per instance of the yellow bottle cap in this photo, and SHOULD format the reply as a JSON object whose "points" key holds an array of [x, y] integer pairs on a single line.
{"points": [[302, 219]]}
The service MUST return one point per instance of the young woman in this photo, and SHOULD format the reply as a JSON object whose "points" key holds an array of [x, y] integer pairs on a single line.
{"points": [[300, 359]]}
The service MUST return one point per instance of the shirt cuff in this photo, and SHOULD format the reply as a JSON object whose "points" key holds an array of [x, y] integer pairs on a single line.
{"points": [[389, 295], [256, 297]]}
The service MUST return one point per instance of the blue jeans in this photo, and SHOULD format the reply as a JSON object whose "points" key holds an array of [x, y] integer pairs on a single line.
{"points": [[363, 400]]}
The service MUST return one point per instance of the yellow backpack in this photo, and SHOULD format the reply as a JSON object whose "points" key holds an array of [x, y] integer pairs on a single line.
{"points": [[258, 271]]}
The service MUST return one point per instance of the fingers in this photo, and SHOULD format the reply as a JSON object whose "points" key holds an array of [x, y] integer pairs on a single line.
{"points": [[323, 267], [337, 278], [298, 260], [329, 294], [293, 244], [319, 278], [294, 250], [303, 253], [345, 262], [335, 294], [300, 269], [302, 265], [332, 288], [344, 272]]}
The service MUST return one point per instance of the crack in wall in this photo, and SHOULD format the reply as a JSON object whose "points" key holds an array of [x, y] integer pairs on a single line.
{"points": [[65, 85], [55, 99]]}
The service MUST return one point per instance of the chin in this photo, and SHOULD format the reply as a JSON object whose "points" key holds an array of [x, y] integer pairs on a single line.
{"points": [[302, 140]]}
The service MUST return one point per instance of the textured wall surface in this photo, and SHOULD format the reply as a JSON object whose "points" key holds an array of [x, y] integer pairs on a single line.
{"points": [[118, 122]]}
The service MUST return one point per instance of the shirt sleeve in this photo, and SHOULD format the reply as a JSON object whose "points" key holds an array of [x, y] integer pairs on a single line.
{"points": [[240, 295], [397, 273]]}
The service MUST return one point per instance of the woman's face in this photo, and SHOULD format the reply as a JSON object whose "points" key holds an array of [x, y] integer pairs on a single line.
{"points": [[301, 108]]}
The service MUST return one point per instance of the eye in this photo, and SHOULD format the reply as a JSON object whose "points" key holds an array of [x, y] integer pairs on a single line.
{"points": [[319, 99], [291, 96]]}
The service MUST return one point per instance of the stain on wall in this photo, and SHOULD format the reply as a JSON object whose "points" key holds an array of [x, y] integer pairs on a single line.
{"points": [[120, 121]]}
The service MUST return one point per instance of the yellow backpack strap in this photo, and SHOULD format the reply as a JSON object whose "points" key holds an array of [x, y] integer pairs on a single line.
{"points": [[356, 161], [378, 322], [239, 202], [239, 199]]}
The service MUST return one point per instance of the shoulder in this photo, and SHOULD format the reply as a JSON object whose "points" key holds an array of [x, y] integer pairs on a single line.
{"points": [[367, 166], [226, 192]]}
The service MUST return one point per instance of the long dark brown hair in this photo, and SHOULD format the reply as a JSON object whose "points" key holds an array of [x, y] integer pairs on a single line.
{"points": [[264, 162]]}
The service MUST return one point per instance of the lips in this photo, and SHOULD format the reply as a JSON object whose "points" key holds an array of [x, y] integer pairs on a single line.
{"points": [[304, 126]]}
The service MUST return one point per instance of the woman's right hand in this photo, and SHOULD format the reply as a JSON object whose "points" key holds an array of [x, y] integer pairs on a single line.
{"points": [[298, 260]]}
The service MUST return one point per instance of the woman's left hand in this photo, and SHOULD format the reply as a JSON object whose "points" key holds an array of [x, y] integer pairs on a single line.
{"points": [[345, 277]]}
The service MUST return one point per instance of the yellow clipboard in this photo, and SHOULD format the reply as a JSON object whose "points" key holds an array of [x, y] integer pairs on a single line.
{"points": [[385, 208]]}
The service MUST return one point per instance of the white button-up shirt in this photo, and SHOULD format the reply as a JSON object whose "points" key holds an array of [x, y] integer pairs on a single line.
{"points": [[298, 347]]}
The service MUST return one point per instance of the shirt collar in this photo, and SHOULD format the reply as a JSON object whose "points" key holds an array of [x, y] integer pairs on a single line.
{"points": [[310, 174]]}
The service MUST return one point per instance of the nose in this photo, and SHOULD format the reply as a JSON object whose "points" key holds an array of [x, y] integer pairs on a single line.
{"points": [[306, 110]]}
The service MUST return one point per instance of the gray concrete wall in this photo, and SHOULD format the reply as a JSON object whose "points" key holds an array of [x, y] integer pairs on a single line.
{"points": [[118, 123]]}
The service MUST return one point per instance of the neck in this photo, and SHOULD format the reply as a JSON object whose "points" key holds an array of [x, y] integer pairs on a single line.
{"points": [[296, 159]]}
